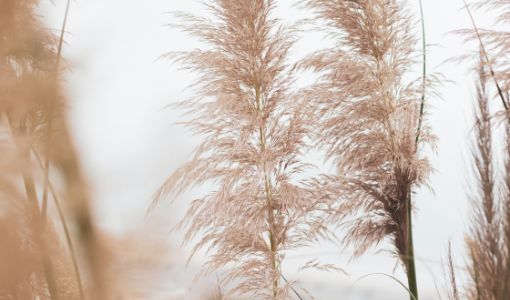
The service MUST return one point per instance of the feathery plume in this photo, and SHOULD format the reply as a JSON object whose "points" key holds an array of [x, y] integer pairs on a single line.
{"points": [[255, 135], [28, 63], [370, 116], [488, 252], [25, 59]]}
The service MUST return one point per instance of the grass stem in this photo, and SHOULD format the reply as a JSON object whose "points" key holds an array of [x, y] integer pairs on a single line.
{"points": [[411, 265], [29, 183], [67, 232], [484, 53], [51, 113], [269, 200]]}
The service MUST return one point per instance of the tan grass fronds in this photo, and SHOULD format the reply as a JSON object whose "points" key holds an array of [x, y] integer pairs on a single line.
{"points": [[22, 275], [25, 60], [488, 239], [487, 252], [493, 44], [255, 133], [28, 89], [369, 113]]}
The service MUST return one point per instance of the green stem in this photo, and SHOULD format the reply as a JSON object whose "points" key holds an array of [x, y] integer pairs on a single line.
{"points": [[411, 267], [424, 78], [392, 278], [410, 261], [484, 52]]}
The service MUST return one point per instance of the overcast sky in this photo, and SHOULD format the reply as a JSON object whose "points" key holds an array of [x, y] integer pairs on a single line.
{"points": [[118, 89]]}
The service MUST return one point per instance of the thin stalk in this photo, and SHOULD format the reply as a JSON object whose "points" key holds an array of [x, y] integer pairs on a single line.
{"points": [[29, 183], [292, 288], [424, 77], [390, 277], [451, 269], [411, 264], [77, 194], [269, 201], [51, 113], [67, 232], [46, 166], [484, 52]]}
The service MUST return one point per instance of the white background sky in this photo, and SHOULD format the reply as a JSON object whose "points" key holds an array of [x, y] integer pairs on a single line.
{"points": [[129, 143]]}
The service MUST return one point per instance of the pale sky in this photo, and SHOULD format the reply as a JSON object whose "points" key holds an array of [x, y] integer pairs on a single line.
{"points": [[129, 144]]}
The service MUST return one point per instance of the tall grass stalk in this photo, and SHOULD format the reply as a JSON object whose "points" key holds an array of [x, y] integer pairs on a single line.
{"points": [[51, 110], [255, 135], [46, 166], [484, 248], [25, 53], [488, 239], [411, 275], [29, 63], [372, 120], [77, 196], [411, 269], [67, 232], [37, 221]]}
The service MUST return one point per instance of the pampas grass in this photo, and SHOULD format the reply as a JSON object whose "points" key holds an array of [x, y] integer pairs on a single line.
{"points": [[488, 238], [26, 57], [371, 120], [483, 244], [29, 64], [255, 134], [365, 112]]}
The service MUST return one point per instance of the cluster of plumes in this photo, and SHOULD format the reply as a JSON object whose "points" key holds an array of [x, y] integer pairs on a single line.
{"points": [[369, 114], [35, 263], [488, 240], [255, 134]]}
